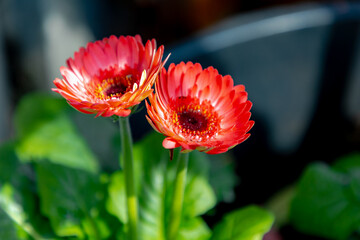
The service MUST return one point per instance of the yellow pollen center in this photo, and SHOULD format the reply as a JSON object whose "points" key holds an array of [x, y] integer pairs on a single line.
{"points": [[194, 120], [114, 87]]}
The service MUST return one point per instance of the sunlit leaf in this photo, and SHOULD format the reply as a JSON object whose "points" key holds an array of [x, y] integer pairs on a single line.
{"points": [[13, 218], [7, 227], [194, 228], [46, 132], [100, 231], [116, 203], [199, 197], [19, 191], [249, 223], [35, 109]]}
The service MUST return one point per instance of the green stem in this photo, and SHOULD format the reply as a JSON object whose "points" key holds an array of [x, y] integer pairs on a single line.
{"points": [[127, 157], [82, 205], [94, 226], [178, 196]]}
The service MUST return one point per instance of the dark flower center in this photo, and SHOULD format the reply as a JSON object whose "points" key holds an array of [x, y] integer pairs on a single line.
{"points": [[193, 120], [114, 87]]}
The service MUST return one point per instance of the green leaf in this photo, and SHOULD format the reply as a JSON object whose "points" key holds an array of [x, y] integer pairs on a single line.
{"points": [[279, 205], [7, 227], [249, 223], [327, 202], [349, 164], [199, 197], [8, 162], [101, 226], [121, 233], [16, 179], [116, 203], [46, 132], [69, 198], [153, 160], [13, 219], [223, 178], [35, 109], [194, 228]]}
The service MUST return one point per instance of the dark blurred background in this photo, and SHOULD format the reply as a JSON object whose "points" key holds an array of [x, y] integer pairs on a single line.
{"points": [[299, 60]]}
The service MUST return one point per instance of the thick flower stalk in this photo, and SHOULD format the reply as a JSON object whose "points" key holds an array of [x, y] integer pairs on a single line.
{"points": [[199, 109], [110, 76]]}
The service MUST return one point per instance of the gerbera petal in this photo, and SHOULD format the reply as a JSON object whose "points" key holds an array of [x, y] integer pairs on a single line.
{"points": [[169, 143], [203, 85], [134, 53], [161, 86], [239, 88], [70, 76], [113, 40], [98, 55], [147, 60], [158, 56], [217, 150], [204, 76], [123, 53], [215, 91], [121, 112], [173, 80], [78, 58], [152, 124], [90, 65], [65, 94], [70, 62], [188, 80]]}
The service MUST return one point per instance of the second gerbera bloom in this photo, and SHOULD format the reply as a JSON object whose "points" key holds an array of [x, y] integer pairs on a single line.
{"points": [[199, 109]]}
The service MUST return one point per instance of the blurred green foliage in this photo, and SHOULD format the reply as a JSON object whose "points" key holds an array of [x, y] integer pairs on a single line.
{"points": [[327, 200], [249, 223], [52, 186], [45, 131]]}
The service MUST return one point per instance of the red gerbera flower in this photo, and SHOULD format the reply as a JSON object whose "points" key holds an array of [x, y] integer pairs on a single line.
{"points": [[109, 76], [199, 109]]}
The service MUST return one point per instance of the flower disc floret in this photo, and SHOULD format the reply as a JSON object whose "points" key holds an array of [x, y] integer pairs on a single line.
{"points": [[194, 120]]}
